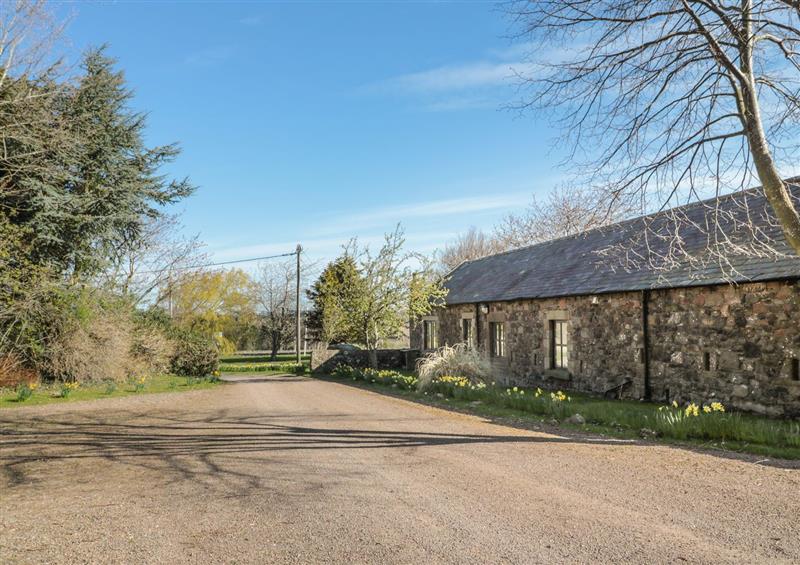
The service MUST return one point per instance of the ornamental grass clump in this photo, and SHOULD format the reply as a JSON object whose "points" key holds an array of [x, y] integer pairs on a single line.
{"points": [[458, 360]]}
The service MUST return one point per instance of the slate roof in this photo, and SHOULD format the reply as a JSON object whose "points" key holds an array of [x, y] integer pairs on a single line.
{"points": [[571, 266]]}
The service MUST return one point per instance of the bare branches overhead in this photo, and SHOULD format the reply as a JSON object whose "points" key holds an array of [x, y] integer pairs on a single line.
{"points": [[664, 102]]}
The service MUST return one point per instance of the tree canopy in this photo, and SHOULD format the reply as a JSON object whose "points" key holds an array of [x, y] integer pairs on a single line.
{"points": [[367, 298], [80, 176]]}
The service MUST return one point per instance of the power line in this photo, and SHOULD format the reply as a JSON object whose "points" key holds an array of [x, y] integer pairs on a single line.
{"points": [[242, 260], [221, 263]]}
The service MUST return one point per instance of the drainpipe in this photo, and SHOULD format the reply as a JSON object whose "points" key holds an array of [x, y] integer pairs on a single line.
{"points": [[646, 343], [477, 327]]}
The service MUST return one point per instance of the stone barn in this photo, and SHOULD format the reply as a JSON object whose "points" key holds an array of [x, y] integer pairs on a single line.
{"points": [[563, 314]]}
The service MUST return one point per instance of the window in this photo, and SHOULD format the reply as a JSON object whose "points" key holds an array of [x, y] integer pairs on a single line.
{"points": [[559, 356], [429, 337], [706, 361], [466, 331], [796, 369], [498, 339]]}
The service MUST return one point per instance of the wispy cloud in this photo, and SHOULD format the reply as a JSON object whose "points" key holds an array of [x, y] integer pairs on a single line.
{"points": [[421, 214], [251, 21], [457, 103], [458, 77], [424, 222], [482, 83], [210, 56], [436, 208], [320, 249]]}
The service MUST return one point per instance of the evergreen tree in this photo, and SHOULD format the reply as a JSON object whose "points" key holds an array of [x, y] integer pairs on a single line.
{"points": [[82, 178]]}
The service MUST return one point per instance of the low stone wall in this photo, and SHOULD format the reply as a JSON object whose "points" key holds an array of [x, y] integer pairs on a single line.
{"points": [[325, 360]]}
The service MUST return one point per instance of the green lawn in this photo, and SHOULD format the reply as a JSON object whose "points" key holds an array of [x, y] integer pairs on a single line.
{"points": [[261, 364], [245, 358], [623, 419], [51, 393]]}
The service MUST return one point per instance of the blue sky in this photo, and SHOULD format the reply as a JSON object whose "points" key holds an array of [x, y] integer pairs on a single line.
{"points": [[316, 122]]}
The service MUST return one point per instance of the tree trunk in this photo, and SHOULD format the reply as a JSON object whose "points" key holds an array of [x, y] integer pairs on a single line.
{"points": [[373, 358], [276, 345], [775, 189]]}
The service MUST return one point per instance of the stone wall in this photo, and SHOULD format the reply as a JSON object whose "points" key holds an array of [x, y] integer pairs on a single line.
{"points": [[325, 360], [737, 344]]}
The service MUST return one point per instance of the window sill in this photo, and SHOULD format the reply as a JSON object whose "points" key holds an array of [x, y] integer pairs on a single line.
{"points": [[558, 374]]}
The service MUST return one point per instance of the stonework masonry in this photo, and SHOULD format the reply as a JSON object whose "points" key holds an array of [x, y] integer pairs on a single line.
{"points": [[738, 344]]}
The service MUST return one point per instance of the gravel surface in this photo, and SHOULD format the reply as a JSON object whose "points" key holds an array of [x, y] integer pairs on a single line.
{"points": [[293, 470]]}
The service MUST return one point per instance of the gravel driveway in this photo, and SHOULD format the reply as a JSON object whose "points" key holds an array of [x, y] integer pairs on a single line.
{"points": [[293, 470]]}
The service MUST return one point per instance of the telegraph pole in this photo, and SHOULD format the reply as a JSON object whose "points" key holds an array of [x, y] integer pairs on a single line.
{"points": [[297, 308]]}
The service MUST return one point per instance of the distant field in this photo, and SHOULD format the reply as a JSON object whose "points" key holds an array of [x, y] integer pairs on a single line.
{"points": [[260, 363], [242, 357]]}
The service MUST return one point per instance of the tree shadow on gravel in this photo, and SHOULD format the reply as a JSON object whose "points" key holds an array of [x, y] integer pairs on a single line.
{"points": [[568, 435], [203, 448]]}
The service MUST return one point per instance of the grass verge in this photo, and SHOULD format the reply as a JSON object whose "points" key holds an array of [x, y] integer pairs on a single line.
{"points": [[53, 393], [259, 358], [263, 368], [734, 432]]}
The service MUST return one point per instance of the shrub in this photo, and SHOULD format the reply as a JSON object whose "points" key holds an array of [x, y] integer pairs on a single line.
{"points": [[457, 360], [111, 387], [14, 372], [195, 355], [224, 345], [90, 338], [151, 350]]}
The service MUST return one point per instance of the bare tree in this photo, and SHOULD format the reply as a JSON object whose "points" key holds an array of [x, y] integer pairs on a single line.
{"points": [[30, 126], [473, 244], [664, 102], [566, 210], [276, 298], [150, 261], [28, 32]]}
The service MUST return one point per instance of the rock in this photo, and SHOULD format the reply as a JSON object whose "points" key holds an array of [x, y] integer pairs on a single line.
{"points": [[475, 403], [647, 433], [751, 350], [576, 419], [552, 422], [740, 391], [439, 395]]}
